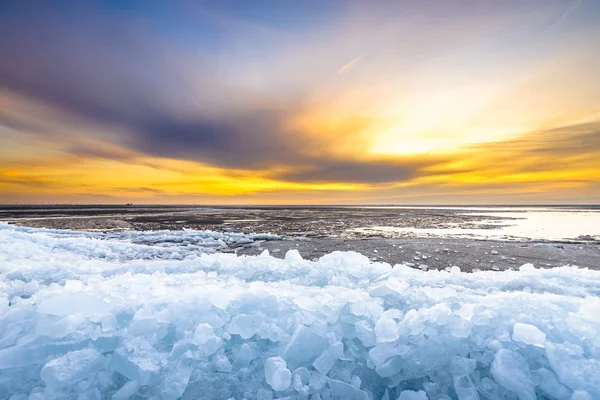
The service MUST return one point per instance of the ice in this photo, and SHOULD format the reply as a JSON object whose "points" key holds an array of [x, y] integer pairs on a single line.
{"points": [[387, 330], [327, 359], [574, 369], [137, 360], [222, 363], [246, 325], [293, 256], [71, 367], [581, 395], [263, 394], [304, 347], [126, 391], [175, 379], [165, 315], [74, 303], [205, 338], [243, 357], [276, 373], [412, 395], [511, 371], [345, 391], [529, 334]]}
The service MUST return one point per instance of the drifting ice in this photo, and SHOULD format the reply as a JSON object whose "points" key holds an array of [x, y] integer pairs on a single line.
{"points": [[163, 315]]}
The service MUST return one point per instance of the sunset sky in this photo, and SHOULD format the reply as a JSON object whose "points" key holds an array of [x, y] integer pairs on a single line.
{"points": [[295, 102]]}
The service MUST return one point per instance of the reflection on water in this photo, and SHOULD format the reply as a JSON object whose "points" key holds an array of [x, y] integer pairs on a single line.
{"points": [[546, 224]]}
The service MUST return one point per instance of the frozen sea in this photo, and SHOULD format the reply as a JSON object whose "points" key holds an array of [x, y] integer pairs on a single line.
{"points": [[122, 313]]}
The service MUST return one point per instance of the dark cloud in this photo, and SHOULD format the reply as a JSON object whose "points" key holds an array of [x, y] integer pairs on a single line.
{"points": [[140, 189], [35, 181], [580, 139], [114, 75], [371, 171], [561, 149]]}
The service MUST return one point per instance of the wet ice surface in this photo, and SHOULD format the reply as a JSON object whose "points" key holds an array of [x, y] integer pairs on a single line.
{"points": [[134, 315]]}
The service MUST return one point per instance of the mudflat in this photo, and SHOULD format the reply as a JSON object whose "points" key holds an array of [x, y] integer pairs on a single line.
{"points": [[316, 231]]}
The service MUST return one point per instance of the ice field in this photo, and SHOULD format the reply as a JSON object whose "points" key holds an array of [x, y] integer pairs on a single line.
{"points": [[164, 315]]}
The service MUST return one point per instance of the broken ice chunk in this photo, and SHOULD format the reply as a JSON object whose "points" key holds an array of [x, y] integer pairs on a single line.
{"points": [[324, 362], [203, 333], [581, 395], [390, 287], [304, 347], [528, 334], [59, 328], [390, 367], [327, 359], [90, 394], [549, 383], [137, 361], [206, 340], [317, 381], [175, 380], [412, 395], [575, 371], [109, 323], [465, 388], [126, 391], [74, 303], [276, 374], [243, 358], [343, 391], [222, 363], [264, 394], [72, 367], [364, 332], [272, 332], [293, 256], [245, 325], [143, 326], [511, 371], [386, 330], [304, 375]]}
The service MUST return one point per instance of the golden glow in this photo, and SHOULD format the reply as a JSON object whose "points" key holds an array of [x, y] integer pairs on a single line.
{"points": [[454, 117]]}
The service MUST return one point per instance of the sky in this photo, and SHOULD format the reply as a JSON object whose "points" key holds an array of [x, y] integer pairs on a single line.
{"points": [[300, 102]]}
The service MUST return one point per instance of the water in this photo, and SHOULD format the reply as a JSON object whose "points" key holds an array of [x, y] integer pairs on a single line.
{"points": [[553, 224]]}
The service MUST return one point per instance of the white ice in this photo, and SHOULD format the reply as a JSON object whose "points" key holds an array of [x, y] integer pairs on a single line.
{"points": [[166, 316]]}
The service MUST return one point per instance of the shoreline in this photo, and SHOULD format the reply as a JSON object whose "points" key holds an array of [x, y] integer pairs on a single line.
{"points": [[435, 253]]}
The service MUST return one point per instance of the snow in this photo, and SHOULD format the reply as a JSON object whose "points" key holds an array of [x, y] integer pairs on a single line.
{"points": [[164, 315]]}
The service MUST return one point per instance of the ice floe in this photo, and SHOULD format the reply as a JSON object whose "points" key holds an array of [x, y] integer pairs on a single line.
{"points": [[164, 315]]}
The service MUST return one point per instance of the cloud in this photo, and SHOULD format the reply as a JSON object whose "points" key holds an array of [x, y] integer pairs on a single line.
{"points": [[35, 182], [355, 171], [113, 77], [140, 83], [350, 64], [571, 147]]}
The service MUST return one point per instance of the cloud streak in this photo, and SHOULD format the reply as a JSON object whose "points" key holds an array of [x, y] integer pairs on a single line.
{"points": [[349, 64]]}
